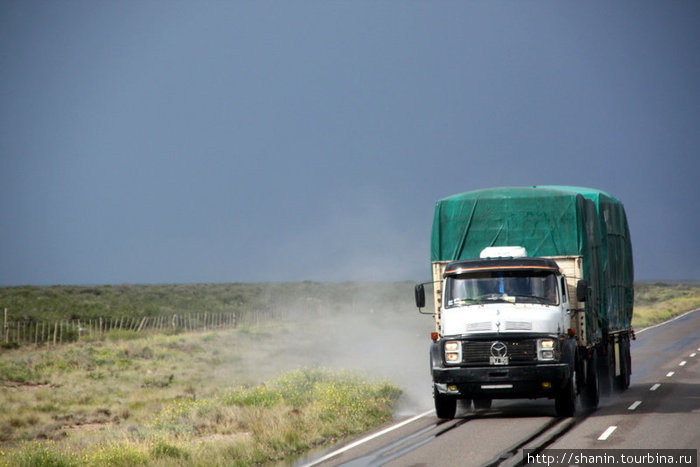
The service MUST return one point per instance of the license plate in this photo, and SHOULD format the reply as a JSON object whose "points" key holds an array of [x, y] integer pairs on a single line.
{"points": [[498, 360]]}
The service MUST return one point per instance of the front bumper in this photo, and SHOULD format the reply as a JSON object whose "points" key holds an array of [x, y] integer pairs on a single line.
{"points": [[507, 382]]}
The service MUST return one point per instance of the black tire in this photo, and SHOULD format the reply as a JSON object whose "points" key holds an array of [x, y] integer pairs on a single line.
{"points": [[591, 391], [565, 400], [622, 382], [445, 406], [482, 404], [606, 370]]}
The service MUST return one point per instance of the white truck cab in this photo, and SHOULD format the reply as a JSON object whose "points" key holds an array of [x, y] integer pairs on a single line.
{"points": [[507, 326], [516, 295]]}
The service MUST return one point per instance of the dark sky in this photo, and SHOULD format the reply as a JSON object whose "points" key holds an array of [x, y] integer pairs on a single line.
{"points": [[180, 141]]}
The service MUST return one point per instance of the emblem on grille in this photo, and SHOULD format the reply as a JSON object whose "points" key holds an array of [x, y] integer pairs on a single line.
{"points": [[499, 354], [499, 349]]}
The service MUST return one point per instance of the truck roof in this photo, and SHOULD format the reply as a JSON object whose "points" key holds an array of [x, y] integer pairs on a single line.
{"points": [[546, 222], [471, 265]]}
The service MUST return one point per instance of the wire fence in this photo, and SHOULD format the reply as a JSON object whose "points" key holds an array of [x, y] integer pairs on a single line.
{"points": [[24, 332]]}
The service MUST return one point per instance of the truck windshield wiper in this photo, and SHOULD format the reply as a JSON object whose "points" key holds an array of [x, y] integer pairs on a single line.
{"points": [[494, 297], [531, 299], [461, 301]]}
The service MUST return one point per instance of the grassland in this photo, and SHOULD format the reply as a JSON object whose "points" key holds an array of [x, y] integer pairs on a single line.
{"points": [[234, 397], [249, 301], [658, 301], [308, 365]]}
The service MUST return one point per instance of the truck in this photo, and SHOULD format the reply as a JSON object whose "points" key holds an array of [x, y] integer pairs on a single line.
{"points": [[533, 297]]}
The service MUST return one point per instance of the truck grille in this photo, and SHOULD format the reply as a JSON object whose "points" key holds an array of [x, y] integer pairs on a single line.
{"points": [[479, 352]]}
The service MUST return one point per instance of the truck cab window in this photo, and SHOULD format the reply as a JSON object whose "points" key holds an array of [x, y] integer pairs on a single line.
{"points": [[526, 286]]}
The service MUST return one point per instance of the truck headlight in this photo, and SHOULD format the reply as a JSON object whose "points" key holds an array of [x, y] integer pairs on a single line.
{"points": [[453, 352], [546, 349]]}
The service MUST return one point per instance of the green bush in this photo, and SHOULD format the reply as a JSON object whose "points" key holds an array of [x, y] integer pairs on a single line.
{"points": [[164, 450], [37, 454], [260, 396], [122, 335], [16, 371]]}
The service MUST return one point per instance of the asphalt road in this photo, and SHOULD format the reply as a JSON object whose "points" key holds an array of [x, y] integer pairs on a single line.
{"points": [[660, 410]]}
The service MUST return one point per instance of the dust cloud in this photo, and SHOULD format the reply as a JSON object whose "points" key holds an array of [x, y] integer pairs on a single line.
{"points": [[369, 328]]}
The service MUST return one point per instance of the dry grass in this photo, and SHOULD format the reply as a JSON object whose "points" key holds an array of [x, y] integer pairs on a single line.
{"points": [[234, 397], [657, 302]]}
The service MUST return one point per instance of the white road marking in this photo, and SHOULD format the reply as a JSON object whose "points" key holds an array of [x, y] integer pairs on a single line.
{"points": [[655, 387], [692, 355], [635, 405], [670, 373], [682, 363], [369, 438], [607, 433]]}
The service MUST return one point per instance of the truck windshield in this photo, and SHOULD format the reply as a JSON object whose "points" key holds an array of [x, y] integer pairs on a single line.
{"points": [[522, 286]]}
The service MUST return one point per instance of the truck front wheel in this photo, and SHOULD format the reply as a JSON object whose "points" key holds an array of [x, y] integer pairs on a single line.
{"points": [[445, 406]]}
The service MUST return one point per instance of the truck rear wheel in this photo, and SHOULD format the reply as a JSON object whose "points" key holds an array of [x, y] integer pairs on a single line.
{"points": [[565, 400], [606, 369], [622, 381], [445, 406], [591, 391]]}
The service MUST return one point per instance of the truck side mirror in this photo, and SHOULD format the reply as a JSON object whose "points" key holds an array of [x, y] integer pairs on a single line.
{"points": [[419, 292], [582, 290]]}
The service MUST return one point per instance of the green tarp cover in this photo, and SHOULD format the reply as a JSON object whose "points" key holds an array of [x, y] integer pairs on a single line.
{"points": [[547, 221], [617, 288]]}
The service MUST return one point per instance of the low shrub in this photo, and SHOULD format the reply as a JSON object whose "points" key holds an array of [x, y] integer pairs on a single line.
{"points": [[38, 454], [164, 450], [15, 371]]}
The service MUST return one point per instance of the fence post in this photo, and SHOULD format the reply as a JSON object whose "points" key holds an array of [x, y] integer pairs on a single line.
{"points": [[143, 321], [7, 329]]}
